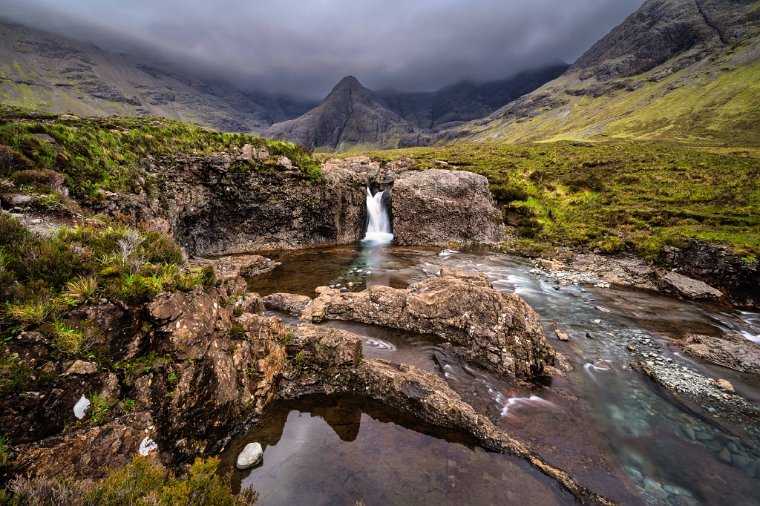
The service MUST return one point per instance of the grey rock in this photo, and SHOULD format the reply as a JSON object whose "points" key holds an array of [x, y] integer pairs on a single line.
{"points": [[251, 455], [690, 288]]}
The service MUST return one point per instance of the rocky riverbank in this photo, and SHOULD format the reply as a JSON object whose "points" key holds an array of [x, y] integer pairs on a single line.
{"points": [[740, 287]]}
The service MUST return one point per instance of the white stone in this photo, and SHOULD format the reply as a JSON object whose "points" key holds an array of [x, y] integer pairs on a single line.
{"points": [[147, 446], [80, 408], [251, 455]]}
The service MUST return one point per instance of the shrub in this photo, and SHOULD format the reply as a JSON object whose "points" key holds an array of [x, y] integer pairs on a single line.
{"points": [[42, 178]]}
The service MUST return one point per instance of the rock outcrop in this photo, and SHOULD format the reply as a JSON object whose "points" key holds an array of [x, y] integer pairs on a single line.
{"points": [[328, 361], [494, 329], [718, 266], [438, 207], [221, 204]]}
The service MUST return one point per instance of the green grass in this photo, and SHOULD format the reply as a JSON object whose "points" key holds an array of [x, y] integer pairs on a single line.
{"points": [[103, 153], [42, 276], [141, 482], [614, 196]]}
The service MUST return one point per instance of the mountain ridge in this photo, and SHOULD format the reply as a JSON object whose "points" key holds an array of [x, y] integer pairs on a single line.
{"points": [[41, 70], [675, 70]]}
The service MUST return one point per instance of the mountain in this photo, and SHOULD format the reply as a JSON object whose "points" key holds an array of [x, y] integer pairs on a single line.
{"points": [[41, 70], [466, 100], [675, 70], [349, 116]]}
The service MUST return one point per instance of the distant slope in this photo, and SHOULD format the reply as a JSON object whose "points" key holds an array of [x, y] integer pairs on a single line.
{"points": [[40, 70], [350, 116], [466, 100], [675, 70]]}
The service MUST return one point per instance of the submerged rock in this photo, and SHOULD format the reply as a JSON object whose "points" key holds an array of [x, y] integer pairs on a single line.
{"points": [[251, 455], [494, 329]]}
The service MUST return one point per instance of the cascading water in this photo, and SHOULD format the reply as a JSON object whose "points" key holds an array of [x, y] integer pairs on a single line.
{"points": [[379, 225]]}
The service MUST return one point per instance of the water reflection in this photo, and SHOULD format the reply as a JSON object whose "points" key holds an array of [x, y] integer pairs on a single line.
{"points": [[341, 450]]}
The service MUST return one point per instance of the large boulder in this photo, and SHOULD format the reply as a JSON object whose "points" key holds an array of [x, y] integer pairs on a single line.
{"points": [[494, 329], [439, 207]]}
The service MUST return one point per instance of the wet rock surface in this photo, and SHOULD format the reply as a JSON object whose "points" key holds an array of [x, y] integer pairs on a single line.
{"points": [[730, 350], [494, 329], [438, 207]]}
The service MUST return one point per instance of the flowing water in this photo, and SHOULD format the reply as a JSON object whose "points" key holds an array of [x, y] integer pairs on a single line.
{"points": [[379, 223], [609, 426]]}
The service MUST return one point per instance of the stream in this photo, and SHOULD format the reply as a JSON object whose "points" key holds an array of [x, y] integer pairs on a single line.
{"points": [[609, 426]]}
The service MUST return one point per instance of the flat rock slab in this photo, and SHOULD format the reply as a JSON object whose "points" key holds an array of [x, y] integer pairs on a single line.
{"points": [[690, 288]]}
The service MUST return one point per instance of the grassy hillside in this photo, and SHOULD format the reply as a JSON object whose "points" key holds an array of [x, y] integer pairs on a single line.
{"points": [[637, 83], [96, 154], [716, 108], [615, 196]]}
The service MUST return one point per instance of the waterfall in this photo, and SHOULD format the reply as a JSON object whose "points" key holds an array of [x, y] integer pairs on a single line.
{"points": [[379, 225]]}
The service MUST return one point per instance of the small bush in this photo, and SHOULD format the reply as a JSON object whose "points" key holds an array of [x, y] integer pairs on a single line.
{"points": [[42, 178]]}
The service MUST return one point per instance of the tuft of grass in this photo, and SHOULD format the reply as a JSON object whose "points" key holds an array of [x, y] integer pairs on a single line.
{"points": [[100, 409], [68, 339], [28, 314], [81, 290], [5, 452]]}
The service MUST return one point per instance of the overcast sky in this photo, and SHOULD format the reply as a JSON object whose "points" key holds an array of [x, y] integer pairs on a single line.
{"points": [[303, 47]]}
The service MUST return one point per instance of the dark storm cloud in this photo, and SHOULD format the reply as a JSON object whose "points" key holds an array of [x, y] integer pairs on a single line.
{"points": [[304, 47]]}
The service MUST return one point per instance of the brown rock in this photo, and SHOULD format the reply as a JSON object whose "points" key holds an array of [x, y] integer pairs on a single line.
{"points": [[287, 302], [494, 329], [562, 336], [86, 453], [82, 368]]}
